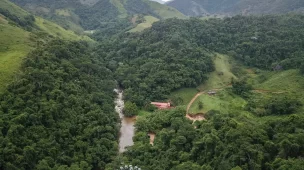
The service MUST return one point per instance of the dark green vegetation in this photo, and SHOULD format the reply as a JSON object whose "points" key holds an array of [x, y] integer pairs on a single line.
{"points": [[79, 15], [149, 66], [267, 42], [59, 112], [20, 32], [263, 130], [232, 7], [224, 141], [130, 109]]}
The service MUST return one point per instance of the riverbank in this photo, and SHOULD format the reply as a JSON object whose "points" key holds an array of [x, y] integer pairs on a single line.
{"points": [[127, 124]]}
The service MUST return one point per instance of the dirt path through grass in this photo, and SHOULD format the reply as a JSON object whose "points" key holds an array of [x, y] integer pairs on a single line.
{"points": [[192, 100]]}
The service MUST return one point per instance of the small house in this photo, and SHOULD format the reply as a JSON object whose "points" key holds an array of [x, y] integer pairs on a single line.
{"points": [[212, 93], [161, 105]]}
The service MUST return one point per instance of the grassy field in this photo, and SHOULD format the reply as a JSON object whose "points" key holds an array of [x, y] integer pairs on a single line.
{"points": [[289, 80], [222, 65], [14, 46], [165, 11], [16, 43], [186, 94], [147, 24], [123, 13], [223, 101], [57, 31]]}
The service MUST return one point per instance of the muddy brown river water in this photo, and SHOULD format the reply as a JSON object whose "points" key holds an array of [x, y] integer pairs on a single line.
{"points": [[127, 124]]}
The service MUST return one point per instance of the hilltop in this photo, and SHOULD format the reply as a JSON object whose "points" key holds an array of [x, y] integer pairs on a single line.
{"points": [[233, 7], [89, 15]]}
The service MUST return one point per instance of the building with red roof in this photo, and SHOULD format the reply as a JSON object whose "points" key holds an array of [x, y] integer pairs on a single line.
{"points": [[160, 105]]}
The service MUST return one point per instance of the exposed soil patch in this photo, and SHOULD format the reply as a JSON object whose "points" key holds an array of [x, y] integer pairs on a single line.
{"points": [[152, 138], [196, 117], [133, 20]]}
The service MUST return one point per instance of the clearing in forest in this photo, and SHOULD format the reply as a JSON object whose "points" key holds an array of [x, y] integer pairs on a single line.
{"points": [[217, 81], [222, 75], [149, 20]]}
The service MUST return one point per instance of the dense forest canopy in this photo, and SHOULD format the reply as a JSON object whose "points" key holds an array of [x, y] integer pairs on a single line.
{"points": [[260, 41], [59, 112], [225, 141], [233, 7], [176, 53], [79, 15], [151, 65]]}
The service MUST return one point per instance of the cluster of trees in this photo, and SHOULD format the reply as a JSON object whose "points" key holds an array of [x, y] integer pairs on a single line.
{"points": [[89, 16], [241, 88], [140, 7], [232, 7], [26, 22], [282, 104], [59, 113], [149, 66], [130, 109], [260, 41], [225, 141], [112, 30]]}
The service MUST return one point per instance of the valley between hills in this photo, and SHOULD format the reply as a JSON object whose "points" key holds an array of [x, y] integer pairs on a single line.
{"points": [[142, 85]]}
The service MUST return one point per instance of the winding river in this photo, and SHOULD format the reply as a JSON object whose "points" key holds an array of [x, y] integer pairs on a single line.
{"points": [[127, 124]]}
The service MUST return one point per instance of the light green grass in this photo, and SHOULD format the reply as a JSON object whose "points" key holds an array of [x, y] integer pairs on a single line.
{"points": [[222, 64], [3, 20], [289, 80], [57, 31], [165, 11], [123, 13], [14, 46], [186, 94], [143, 113], [147, 24], [223, 101], [15, 42]]}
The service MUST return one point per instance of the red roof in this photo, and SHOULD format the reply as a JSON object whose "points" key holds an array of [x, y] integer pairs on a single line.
{"points": [[161, 105]]}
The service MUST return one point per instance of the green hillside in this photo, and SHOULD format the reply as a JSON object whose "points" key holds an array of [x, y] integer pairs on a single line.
{"points": [[165, 11], [19, 37], [233, 7], [15, 44], [81, 15], [232, 88], [149, 20]]}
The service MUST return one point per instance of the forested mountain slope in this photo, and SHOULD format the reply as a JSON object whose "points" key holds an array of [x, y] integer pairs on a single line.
{"points": [[59, 113], [260, 41], [176, 53], [82, 15], [21, 32], [264, 131], [233, 7]]}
